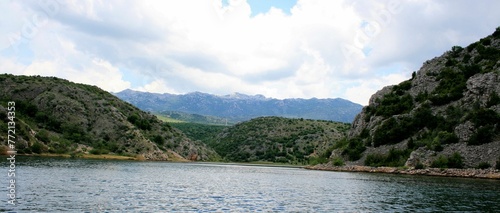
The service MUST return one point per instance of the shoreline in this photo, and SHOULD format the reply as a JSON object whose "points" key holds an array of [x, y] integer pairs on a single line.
{"points": [[259, 164], [463, 173], [140, 158], [492, 174], [84, 156]]}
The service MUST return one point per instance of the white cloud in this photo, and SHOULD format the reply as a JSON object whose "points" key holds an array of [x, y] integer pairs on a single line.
{"points": [[96, 72], [199, 45], [157, 86]]}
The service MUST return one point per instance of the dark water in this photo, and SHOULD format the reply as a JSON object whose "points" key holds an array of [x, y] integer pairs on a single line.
{"points": [[80, 185]]}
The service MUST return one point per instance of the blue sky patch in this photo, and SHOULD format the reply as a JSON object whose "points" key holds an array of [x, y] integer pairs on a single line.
{"points": [[263, 6]]}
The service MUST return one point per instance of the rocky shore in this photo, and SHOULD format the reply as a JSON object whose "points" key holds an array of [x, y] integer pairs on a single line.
{"points": [[466, 173]]}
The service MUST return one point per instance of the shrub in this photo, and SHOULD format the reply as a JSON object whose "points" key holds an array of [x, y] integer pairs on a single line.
{"points": [[447, 138], [393, 131], [497, 165], [338, 161], [37, 148], [455, 161], [496, 34], [450, 62], [483, 165], [43, 135], [401, 88], [470, 70], [455, 51], [485, 41], [484, 117], [472, 46], [75, 133], [441, 162], [493, 100], [419, 166], [466, 58], [313, 160], [450, 88], [158, 139], [394, 104], [435, 145], [483, 135], [354, 149], [95, 151], [139, 122], [374, 160], [394, 158]]}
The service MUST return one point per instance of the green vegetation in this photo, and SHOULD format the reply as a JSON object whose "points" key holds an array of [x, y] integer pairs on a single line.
{"points": [[395, 158], [392, 104], [454, 161], [354, 149], [483, 165], [279, 140], [199, 132], [486, 121], [451, 87], [419, 165], [181, 117], [168, 119], [338, 161]]}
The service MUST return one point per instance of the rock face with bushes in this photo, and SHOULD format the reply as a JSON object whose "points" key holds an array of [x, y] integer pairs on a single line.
{"points": [[449, 109], [57, 116]]}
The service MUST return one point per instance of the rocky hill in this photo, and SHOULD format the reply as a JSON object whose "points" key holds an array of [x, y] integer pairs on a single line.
{"points": [[240, 107], [277, 139], [446, 115], [57, 116]]}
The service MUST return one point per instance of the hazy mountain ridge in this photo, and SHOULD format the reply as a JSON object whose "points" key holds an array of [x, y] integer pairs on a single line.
{"points": [[446, 115], [57, 116], [240, 107]]}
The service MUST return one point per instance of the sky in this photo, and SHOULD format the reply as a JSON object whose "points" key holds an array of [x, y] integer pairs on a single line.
{"points": [[277, 48]]}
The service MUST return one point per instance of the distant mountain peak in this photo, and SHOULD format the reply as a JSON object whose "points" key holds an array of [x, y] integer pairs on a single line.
{"points": [[238, 95]]}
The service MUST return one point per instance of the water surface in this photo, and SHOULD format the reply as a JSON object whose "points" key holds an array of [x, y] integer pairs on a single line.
{"points": [[83, 185]]}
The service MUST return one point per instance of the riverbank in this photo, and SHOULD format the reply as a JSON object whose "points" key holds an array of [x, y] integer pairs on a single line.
{"points": [[466, 173], [85, 156], [256, 163]]}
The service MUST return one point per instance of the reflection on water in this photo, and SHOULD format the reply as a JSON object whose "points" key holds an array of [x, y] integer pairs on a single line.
{"points": [[55, 184]]}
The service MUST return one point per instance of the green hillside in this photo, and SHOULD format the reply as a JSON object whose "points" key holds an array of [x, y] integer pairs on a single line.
{"points": [[53, 115], [199, 132], [280, 140], [176, 117]]}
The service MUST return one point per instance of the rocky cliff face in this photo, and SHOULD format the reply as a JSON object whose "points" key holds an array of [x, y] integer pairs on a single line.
{"points": [[451, 105], [57, 116]]}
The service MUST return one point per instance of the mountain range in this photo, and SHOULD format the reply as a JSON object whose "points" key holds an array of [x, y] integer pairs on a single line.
{"points": [[240, 107]]}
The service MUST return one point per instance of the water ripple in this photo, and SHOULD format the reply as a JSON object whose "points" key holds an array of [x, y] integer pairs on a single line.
{"points": [[51, 184]]}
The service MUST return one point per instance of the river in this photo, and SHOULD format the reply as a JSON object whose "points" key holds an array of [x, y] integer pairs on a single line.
{"points": [[83, 185]]}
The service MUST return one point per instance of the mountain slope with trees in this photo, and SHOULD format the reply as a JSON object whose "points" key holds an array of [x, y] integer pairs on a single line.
{"points": [[277, 139], [53, 115], [446, 115]]}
